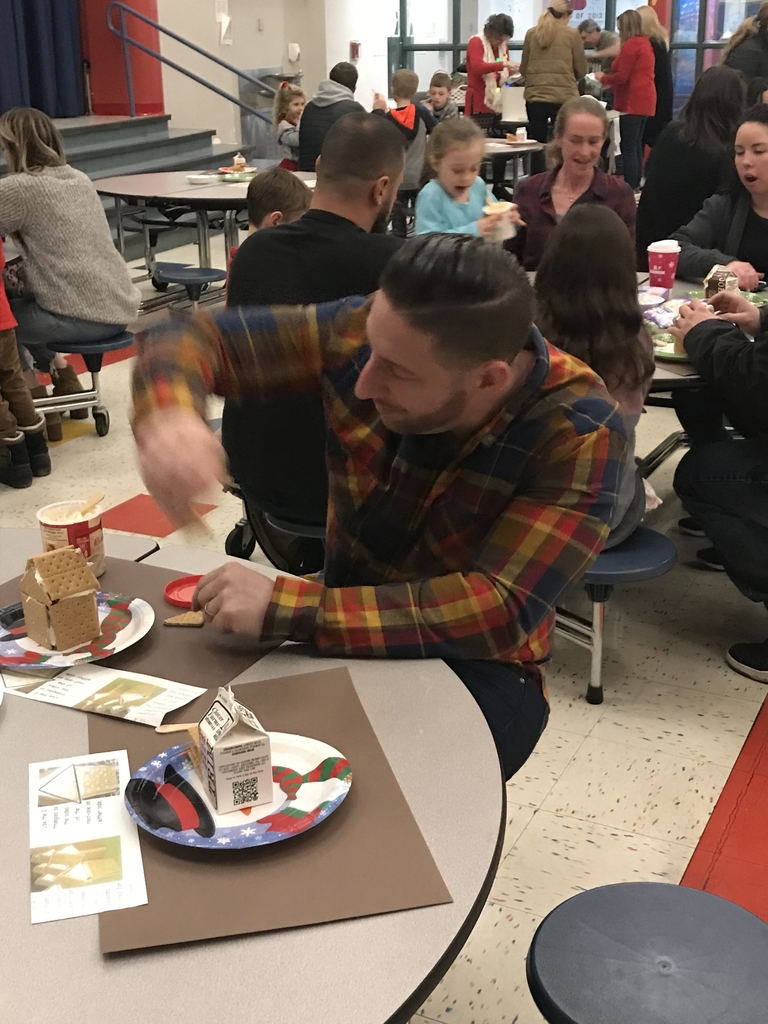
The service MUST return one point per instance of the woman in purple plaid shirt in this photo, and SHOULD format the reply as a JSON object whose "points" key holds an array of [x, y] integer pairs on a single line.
{"points": [[544, 199]]}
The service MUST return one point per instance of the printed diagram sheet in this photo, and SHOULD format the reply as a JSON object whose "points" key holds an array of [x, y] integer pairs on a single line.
{"points": [[84, 855], [129, 695]]}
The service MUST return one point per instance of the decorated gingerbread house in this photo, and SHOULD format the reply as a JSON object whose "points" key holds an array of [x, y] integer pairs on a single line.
{"points": [[58, 595]]}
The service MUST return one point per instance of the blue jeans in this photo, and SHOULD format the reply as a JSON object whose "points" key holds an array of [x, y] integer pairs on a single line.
{"points": [[37, 327], [631, 127], [513, 706]]}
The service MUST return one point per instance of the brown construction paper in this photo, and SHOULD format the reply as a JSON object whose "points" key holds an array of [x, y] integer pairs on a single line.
{"points": [[368, 857], [200, 657]]}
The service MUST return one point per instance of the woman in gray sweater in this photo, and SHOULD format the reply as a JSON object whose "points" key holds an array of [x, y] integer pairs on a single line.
{"points": [[80, 286]]}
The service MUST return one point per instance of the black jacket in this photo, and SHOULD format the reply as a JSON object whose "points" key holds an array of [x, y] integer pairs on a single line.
{"points": [[737, 370], [276, 448], [662, 77], [679, 179], [750, 58], [713, 236], [330, 102]]}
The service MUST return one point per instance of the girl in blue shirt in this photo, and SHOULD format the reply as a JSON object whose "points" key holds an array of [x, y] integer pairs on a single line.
{"points": [[452, 202]]}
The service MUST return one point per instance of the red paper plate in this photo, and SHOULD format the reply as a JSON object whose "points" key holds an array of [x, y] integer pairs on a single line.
{"points": [[179, 592]]}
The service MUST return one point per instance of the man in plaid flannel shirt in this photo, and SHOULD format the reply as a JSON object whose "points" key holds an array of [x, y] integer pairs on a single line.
{"points": [[473, 469]]}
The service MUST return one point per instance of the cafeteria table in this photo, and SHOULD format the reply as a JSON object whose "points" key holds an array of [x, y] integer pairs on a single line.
{"points": [[370, 970], [17, 545], [500, 153], [173, 188]]}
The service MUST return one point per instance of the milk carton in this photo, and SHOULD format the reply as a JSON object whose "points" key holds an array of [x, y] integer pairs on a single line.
{"points": [[235, 754]]}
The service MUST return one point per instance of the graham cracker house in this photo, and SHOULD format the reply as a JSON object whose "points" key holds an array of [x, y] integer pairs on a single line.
{"points": [[58, 595]]}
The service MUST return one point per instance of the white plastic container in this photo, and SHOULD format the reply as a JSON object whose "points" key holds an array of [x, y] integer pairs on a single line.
{"points": [[61, 525]]}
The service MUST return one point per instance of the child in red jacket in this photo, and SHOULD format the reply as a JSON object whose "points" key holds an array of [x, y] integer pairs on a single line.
{"points": [[23, 446], [634, 91]]}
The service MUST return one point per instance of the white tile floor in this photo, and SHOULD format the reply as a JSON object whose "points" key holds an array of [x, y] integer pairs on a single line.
{"points": [[614, 792]]}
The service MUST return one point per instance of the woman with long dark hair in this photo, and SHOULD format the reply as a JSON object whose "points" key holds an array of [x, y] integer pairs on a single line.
{"points": [[692, 158], [732, 228], [588, 307], [747, 49]]}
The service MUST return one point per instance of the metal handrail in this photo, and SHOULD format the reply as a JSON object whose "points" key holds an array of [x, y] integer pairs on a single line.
{"points": [[127, 40]]}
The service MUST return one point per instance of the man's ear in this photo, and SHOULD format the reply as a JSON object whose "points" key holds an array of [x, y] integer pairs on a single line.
{"points": [[273, 219], [379, 190], [317, 164], [496, 374]]}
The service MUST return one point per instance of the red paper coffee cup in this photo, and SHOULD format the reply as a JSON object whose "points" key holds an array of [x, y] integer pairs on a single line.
{"points": [[662, 263]]}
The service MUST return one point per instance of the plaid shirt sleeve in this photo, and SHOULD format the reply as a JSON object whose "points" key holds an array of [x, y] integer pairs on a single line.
{"points": [[244, 352], [547, 538]]}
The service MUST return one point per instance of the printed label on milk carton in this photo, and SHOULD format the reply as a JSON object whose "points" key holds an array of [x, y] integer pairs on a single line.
{"points": [[236, 755]]}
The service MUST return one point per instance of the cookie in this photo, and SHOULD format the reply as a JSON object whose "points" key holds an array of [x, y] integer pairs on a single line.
{"points": [[193, 619]]}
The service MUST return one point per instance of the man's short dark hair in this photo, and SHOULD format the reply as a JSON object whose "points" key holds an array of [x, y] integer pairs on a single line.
{"points": [[277, 189], [472, 297], [589, 26], [360, 147], [499, 25], [344, 73]]}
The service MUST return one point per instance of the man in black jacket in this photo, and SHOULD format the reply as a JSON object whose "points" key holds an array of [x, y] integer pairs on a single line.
{"points": [[276, 449], [334, 98], [723, 483]]}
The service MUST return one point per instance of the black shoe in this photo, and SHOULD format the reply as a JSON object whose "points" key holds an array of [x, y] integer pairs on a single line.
{"points": [[15, 470], [690, 527], [750, 660], [37, 449], [710, 559]]}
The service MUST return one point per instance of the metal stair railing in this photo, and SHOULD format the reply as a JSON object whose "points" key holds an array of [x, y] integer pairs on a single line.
{"points": [[122, 33]]}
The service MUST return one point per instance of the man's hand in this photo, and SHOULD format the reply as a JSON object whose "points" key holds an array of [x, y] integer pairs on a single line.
{"points": [[234, 599], [380, 101], [180, 460], [689, 315], [747, 275], [737, 310]]}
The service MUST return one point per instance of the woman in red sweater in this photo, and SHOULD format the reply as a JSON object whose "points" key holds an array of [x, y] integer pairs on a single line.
{"points": [[634, 91], [488, 65]]}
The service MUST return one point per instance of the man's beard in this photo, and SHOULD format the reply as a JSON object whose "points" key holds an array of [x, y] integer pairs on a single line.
{"points": [[438, 421], [381, 223]]}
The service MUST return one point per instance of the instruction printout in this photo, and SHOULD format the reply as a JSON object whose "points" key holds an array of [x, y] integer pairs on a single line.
{"points": [[129, 695], [84, 855]]}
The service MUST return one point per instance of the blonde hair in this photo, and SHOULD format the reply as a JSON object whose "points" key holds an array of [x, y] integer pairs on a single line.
{"points": [[577, 105], [749, 27], [31, 141], [652, 27], [459, 131], [404, 84], [629, 24], [546, 26], [284, 96]]}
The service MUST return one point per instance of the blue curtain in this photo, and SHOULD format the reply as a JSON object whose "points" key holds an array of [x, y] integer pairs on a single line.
{"points": [[40, 58]]}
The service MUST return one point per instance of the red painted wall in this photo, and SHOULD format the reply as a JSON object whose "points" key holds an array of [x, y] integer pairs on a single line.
{"points": [[109, 92]]}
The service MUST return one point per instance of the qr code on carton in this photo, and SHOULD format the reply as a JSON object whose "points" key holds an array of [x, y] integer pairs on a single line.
{"points": [[245, 791]]}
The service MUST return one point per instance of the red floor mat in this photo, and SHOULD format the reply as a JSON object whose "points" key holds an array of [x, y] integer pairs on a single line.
{"points": [[143, 515], [732, 855]]}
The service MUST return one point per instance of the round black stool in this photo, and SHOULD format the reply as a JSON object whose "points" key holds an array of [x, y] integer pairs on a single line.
{"points": [[650, 953]]}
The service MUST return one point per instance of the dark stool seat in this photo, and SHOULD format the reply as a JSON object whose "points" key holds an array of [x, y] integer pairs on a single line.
{"points": [[649, 953], [296, 529], [93, 355], [644, 555], [193, 279]]}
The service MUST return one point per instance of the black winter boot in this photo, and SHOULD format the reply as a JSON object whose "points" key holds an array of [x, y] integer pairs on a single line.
{"points": [[37, 450], [15, 470]]}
